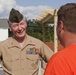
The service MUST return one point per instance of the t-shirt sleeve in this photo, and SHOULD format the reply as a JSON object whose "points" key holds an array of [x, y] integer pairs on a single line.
{"points": [[58, 65]]}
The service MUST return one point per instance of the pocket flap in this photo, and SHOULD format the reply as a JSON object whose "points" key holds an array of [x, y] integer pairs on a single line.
{"points": [[15, 58], [8, 59], [32, 57]]}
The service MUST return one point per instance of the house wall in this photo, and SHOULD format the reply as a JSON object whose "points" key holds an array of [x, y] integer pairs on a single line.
{"points": [[51, 45], [3, 34]]}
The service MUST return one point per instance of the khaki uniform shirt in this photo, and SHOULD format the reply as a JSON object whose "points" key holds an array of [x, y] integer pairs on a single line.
{"points": [[23, 61]]}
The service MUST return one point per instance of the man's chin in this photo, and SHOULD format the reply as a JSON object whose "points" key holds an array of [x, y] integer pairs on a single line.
{"points": [[21, 36]]}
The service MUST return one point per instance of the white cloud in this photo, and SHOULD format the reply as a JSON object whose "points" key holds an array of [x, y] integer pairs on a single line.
{"points": [[5, 6], [30, 12]]}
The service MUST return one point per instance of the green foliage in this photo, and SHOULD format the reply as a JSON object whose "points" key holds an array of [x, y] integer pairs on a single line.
{"points": [[49, 33], [34, 29], [10, 33]]}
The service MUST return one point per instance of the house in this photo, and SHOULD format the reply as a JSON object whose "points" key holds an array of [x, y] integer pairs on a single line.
{"points": [[3, 34], [3, 29], [51, 45]]}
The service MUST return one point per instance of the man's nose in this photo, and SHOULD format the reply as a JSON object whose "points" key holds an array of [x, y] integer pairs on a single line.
{"points": [[19, 27]]}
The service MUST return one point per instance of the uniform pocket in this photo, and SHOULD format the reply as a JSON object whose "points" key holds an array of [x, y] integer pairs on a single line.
{"points": [[15, 62], [14, 58], [11, 63], [32, 61], [8, 59], [7, 62]]}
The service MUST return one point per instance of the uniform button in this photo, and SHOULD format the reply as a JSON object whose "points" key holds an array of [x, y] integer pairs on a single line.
{"points": [[22, 68]]}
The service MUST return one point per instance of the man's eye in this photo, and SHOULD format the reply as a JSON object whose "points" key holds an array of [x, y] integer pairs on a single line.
{"points": [[15, 25], [22, 23]]}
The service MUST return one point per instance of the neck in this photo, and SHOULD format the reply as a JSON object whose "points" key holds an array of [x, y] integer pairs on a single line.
{"points": [[20, 40], [70, 40], [69, 43]]}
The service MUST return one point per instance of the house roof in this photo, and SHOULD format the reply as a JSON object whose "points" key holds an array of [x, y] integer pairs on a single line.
{"points": [[4, 23], [47, 16]]}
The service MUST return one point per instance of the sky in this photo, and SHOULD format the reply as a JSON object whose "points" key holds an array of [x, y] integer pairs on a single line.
{"points": [[29, 8]]}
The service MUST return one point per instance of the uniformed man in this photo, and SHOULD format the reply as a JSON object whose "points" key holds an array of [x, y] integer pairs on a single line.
{"points": [[20, 54]]}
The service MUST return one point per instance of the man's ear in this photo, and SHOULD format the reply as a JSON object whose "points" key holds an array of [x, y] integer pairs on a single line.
{"points": [[61, 26], [26, 23]]}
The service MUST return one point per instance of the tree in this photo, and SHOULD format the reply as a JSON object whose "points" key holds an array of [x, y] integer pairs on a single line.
{"points": [[34, 29]]}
